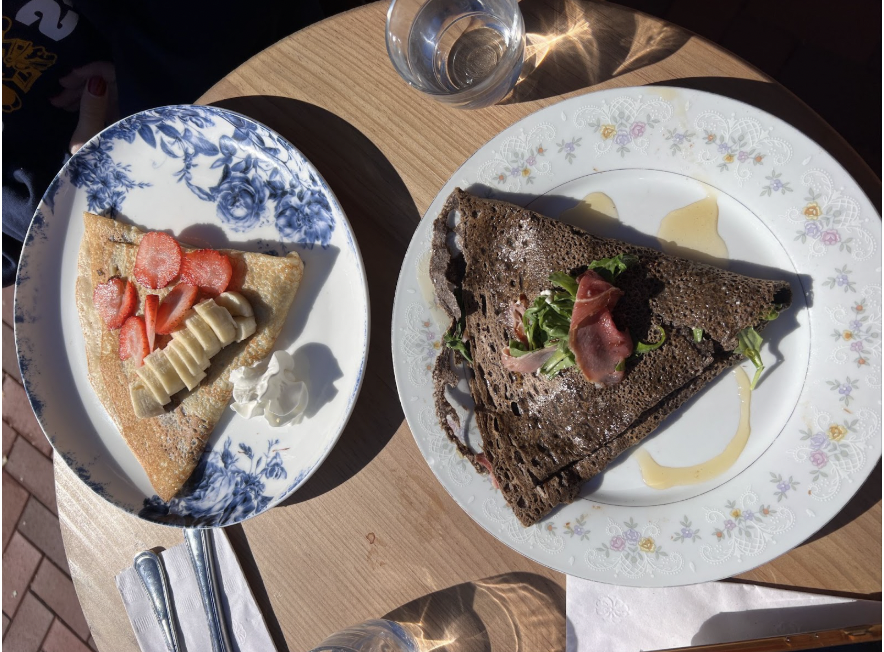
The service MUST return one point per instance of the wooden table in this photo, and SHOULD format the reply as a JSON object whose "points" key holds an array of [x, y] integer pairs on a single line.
{"points": [[373, 532]]}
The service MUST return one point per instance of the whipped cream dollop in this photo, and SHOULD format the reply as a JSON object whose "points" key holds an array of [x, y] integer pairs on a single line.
{"points": [[270, 388]]}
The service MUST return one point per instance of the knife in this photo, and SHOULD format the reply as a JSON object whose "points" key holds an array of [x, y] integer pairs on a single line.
{"points": [[202, 556], [812, 640]]}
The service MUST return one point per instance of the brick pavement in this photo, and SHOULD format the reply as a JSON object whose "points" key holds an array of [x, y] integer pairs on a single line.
{"points": [[41, 612]]}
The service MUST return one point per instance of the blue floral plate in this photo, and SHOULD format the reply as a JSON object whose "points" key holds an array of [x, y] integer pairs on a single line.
{"points": [[216, 179]]}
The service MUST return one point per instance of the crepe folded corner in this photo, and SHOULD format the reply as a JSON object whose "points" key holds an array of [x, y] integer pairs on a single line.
{"points": [[543, 438], [169, 446]]}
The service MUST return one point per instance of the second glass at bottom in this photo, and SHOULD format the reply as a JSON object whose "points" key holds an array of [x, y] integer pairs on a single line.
{"points": [[370, 636]]}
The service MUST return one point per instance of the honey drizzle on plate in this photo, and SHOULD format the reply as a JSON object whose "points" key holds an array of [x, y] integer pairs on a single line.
{"points": [[595, 213], [692, 232], [658, 476]]}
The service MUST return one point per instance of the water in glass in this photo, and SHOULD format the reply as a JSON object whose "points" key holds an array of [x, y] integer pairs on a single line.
{"points": [[465, 52]]}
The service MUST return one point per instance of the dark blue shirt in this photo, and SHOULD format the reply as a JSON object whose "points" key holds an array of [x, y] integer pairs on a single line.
{"points": [[43, 40], [164, 52]]}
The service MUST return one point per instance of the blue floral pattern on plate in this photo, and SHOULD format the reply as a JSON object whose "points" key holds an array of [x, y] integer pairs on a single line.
{"points": [[261, 179], [220, 490], [179, 168]]}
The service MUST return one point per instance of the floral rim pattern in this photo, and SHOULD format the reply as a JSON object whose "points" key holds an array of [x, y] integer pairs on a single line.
{"points": [[829, 229], [261, 179]]}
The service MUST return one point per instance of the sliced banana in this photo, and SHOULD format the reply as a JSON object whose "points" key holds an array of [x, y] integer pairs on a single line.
{"points": [[219, 319], [193, 367], [192, 345], [143, 400], [204, 333], [161, 367], [235, 303], [189, 379], [245, 326], [153, 383], [182, 363]]}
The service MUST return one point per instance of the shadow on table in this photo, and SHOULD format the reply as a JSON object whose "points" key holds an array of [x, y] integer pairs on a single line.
{"points": [[240, 544], [572, 45], [514, 611], [864, 500], [779, 101], [383, 217]]}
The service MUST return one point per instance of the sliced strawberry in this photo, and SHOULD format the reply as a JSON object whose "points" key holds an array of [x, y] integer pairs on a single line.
{"points": [[158, 260], [208, 269], [115, 300], [162, 341], [151, 304], [239, 274], [174, 306], [133, 341]]}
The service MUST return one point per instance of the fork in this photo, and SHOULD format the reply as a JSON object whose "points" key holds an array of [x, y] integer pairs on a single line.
{"points": [[153, 578]]}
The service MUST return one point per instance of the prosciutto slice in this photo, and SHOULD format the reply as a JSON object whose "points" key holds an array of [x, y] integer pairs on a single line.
{"points": [[517, 311], [598, 346], [484, 461], [528, 363]]}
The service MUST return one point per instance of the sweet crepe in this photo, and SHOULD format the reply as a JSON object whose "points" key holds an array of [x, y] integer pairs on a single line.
{"points": [[543, 438], [170, 445]]}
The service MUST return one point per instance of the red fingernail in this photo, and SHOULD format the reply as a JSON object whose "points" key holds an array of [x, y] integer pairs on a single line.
{"points": [[97, 86]]}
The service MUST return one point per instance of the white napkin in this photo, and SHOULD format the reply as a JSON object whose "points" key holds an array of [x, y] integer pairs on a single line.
{"points": [[606, 617], [249, 632]]}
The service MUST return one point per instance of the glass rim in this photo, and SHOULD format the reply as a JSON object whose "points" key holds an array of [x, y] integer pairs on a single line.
{"points": [[471, 91]]}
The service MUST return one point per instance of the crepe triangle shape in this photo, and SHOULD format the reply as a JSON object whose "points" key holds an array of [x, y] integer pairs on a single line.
{"points": [[169, 446], [543, 439]]}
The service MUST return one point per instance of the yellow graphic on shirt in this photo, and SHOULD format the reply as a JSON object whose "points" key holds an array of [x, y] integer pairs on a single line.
{"points": [[23, 63]]}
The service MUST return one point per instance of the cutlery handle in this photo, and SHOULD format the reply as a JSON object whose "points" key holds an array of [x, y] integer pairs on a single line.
{"points": [[202, 556], [156, 585]]}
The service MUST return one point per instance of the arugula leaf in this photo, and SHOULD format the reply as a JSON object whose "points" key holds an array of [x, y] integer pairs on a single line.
{"points": [[559, 361], [531, 322], [547, 320], [749, 345], [620, 365], [611, 268], [774, 312], [564, 281], [454, 340], [556, 325], [643, 347], [563, 304], [698, 334]]}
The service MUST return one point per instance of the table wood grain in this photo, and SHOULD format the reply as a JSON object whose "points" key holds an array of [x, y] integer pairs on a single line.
{"points": [[373, 533]]}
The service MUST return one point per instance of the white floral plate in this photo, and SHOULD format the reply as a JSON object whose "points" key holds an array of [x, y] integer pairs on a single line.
{"points": [[786, 210], [217, 179]]}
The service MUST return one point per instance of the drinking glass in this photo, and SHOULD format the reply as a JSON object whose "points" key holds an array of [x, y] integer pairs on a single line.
{"points": [[370, 636], [468, 53]]}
